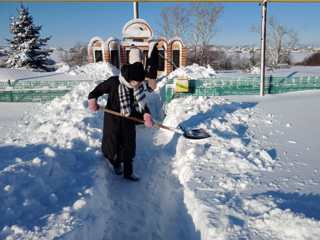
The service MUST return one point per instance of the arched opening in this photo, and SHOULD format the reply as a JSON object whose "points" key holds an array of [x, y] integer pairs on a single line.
{"points": [[161, 59], [98, 57], [114, 53], [145, 56], [96, 50], [115, 58], [163, 55], [176, 54], [127, 55], [176, 58]]}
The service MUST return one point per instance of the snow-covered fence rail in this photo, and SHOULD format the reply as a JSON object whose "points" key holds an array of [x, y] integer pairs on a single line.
{"points": [[35, 90], [223, 86]]}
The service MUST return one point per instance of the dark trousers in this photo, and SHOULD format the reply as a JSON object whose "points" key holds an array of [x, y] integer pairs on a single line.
{"points": [[119, 142]]}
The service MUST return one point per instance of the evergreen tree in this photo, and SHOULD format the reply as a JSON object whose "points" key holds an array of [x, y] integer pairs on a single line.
{"points": [[27, 48]]}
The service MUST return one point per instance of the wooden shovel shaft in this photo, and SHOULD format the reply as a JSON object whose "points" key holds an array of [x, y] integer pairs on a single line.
{"points": [[158, 125], [121, 115]]}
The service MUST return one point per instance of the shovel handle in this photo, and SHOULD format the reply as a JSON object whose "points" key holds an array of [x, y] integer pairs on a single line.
{"points": [[121, 115], [157, 125]]}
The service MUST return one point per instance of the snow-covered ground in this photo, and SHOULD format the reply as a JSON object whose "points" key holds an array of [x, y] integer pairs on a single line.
{"points": [[294, 71], [11, 115], [257, 177], [93, 71]]}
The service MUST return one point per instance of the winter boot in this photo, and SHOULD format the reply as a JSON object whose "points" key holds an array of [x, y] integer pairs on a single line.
{"points": [[132, 177], [117, 170]]}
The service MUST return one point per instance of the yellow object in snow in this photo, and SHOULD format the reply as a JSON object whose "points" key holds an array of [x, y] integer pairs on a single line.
{"points": [[182, 84]]}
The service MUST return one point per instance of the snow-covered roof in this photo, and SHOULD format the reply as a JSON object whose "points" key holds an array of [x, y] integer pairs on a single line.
{"points": [[96, 38], [112, 43], [176, 39], [137, 28]]}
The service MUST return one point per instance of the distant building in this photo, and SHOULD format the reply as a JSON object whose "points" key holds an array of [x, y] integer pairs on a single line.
{"points": [[139, 33]]}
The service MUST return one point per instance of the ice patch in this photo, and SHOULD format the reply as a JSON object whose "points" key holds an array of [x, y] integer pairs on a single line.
{"points": [[8, 188], [49, 152], [37, 161], [79, 204]]}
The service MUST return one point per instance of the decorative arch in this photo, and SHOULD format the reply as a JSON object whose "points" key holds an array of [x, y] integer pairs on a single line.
{"points": [[137, 28], [113, 47], [177, 50], [163, 54], [96, 50]]}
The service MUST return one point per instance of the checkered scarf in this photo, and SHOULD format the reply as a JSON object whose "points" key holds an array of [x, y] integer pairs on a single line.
{"points": [[124, 97]]}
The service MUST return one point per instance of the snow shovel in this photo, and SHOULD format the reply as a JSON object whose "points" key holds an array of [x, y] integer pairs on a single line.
{"points": [[190, 134]]}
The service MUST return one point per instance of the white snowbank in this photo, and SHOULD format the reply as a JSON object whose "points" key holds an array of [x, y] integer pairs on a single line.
{"points": [[46, 189], [92, 71], [49, 163], [193, 71], [218, 172], [97, 71]]}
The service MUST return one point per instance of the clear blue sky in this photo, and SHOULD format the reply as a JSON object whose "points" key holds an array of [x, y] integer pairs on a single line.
{"points": [[69, 23]]}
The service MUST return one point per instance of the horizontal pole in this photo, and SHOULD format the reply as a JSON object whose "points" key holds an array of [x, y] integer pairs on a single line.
{"points": [[176, 1]]}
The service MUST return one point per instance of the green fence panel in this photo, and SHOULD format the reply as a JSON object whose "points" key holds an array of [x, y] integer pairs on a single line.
{"points": [[31, 95], [35, 90], [220, 86]]}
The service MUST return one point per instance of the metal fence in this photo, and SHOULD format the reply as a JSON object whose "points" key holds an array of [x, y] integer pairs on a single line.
{"points": [[35, 90], [46, 90], [223, 86]]}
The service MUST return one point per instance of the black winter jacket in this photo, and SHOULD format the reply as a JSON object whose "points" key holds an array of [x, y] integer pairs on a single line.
{"points": [[119, 136]]}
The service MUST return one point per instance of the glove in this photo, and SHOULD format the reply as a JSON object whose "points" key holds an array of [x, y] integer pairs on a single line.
{"points": [[92, 105], [148, 120]]}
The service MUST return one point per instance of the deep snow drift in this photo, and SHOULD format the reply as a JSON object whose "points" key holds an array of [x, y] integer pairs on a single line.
{"points": [[55, 183]]}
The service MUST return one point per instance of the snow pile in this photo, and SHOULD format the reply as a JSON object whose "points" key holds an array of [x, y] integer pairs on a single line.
{"points": [[267, 219], [218, 172], [92, 71], [62, 67], [47, 183], [97, 71], [193, 71]]}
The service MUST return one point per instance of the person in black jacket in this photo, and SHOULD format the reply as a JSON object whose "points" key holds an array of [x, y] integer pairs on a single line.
{"points": [[125, 95]]}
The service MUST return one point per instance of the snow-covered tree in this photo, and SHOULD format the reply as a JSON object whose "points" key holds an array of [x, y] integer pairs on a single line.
{"points": [[27, 49], [280, 41]]}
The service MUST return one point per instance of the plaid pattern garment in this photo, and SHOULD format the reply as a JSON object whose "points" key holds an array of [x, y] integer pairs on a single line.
{"points": [[124, 97]]}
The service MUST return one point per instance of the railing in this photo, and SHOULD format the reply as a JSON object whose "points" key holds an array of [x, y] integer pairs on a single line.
{"points": [[223, 86], [39, 90]]}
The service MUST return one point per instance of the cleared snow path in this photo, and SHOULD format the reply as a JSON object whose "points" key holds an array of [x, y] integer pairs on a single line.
{"points": [[154, 207]]}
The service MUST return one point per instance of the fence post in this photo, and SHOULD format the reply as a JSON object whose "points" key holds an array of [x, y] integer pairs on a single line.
{"points": [[263, 45]]}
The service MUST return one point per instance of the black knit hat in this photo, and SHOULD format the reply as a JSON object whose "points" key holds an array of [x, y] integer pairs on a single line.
{"points": [[133, 71]]}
